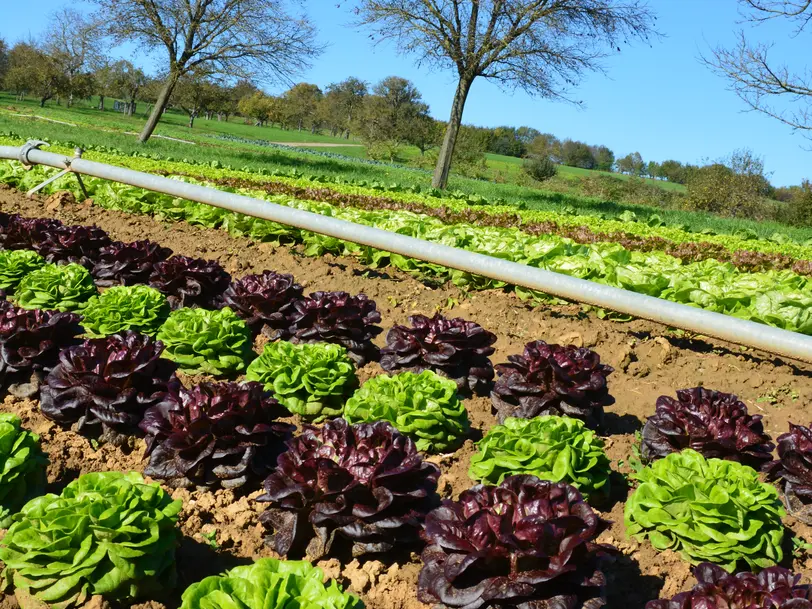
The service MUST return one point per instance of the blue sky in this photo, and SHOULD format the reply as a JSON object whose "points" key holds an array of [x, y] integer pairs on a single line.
{"points": [[656, 99]]}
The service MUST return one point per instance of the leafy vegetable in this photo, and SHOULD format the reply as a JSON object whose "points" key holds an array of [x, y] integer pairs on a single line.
{"points": [[263, 301], [30, 342], [16, 264], [552, 379], [707, 510], [337, 317], [128, 263], [526, 543], [190, 282], [207, 342], [710, 422], [22, 466], [312, 380], [773, 588], [364, 483], [266, 583], [75, 244], [455, 348], [55, 287], [423, 406], [139, 308], [106, 384], [107, 534], [794, 469], [26, 233], [553, 448], [214, 434]]}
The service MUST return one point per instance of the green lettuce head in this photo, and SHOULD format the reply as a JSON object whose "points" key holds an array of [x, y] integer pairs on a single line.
{"points": [[560, 449], [138, 308], [707, 510], [55, 288], [269, 583], [16, 264], [205, 341], [107, 534], [22, 466], [312, 380], [423, 406]]}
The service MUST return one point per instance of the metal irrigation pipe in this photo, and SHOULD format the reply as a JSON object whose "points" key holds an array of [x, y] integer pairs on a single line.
{"points": [[725, 327]]}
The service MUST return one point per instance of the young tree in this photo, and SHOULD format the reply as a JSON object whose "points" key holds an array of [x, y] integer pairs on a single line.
{"points": [[232, 38], [541, 46], [193, 93], [130, 82], [72, 42], [763, 84], [604, 158]]}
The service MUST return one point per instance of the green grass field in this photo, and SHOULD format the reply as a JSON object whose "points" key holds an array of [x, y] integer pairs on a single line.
{"points": [[109, 129]]}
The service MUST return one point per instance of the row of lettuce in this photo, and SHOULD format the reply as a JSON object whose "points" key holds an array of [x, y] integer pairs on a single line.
{"points": [[360, 481], [650, 227], [778, 298]]}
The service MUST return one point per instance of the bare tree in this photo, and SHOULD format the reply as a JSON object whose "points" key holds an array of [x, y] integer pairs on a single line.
{"points": [[232, 38], [72, 42], [762, 84], [541, 46]]}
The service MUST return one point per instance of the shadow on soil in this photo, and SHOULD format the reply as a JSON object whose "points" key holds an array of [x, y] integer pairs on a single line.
{"points": [[627, 587]]}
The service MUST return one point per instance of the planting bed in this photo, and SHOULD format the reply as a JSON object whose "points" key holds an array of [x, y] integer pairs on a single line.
{"points": [[221, 528]]}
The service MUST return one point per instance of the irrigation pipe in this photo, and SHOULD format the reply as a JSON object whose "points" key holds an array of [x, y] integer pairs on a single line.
{"points": [[717, 325]]}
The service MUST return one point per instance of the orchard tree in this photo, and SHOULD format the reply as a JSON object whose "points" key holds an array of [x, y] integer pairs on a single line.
{"points": [[231, 38], [3, 59], [72, 42], [540, 46], [763, 84], [30, 70], [343, 101]]}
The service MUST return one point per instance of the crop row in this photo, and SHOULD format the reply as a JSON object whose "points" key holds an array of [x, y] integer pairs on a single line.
{"points": [[778, 252], [359, 483], [686, 251], [777, 298]]}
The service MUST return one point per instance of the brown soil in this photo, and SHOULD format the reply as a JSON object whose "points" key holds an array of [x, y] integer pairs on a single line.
{"points": [[221, 528]]}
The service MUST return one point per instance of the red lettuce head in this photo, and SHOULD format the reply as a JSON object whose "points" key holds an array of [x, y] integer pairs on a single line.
{"points": [[18, 233], [455, 348], [30, 342], [190, 282], [128, 263], [337, 317], [794, 469], [710, 422], [263, 301], [365, 484], [215, 435], [772, 588], [106, 384], [525, 543], [75, 243], [561, 380]]}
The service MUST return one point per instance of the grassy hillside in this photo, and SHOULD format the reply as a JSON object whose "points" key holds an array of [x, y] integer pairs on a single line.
{"points": [[94, 128]]}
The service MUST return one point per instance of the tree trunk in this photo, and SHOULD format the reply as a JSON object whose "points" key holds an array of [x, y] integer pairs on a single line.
{"points": [[42, 102], [440, 179], [101, 103], [192, 119], [160, 106]]}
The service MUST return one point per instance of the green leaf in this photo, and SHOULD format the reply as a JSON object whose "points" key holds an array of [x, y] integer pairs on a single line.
{"points": [[423, 406], [708, 510], [139, 308], [206, 342], [554, 448], [16, 264], [55, 287], [312, 380]]}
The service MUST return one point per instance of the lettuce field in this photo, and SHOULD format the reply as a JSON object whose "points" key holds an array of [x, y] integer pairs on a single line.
{"points": [[202, 409]]}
